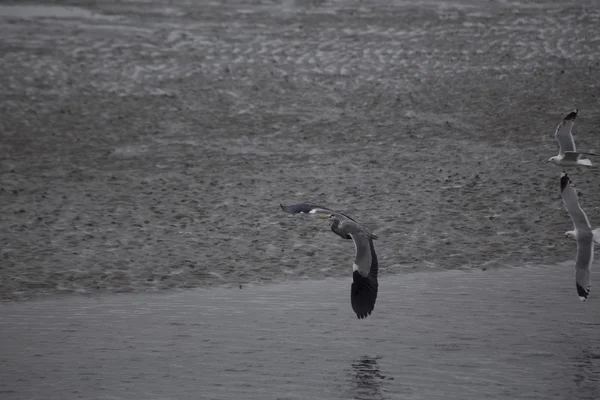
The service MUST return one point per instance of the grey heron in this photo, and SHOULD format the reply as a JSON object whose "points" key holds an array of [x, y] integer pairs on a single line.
{"points": [[363, 291]]}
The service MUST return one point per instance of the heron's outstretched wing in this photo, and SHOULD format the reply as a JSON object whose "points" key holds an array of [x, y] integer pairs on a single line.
{"points": [[305, 208], [563, 133], [365, 259], [571, 203], [364, 278]]}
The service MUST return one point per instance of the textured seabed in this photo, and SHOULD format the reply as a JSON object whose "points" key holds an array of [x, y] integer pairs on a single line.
{"points": [[147, 145]]}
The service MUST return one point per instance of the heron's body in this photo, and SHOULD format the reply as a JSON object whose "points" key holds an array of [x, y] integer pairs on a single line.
{"points": [[363, 291]]}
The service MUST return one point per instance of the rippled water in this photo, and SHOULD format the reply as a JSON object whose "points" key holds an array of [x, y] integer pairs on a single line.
{"points": [[516, 333]]}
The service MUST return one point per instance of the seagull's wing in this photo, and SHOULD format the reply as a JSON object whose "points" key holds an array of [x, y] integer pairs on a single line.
{"points": [[563, 133], [364, 278], [583, 263], [570, 156], [585, 237], [571, 203]]}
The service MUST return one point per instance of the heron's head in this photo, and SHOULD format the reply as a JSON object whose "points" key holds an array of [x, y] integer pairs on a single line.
{"points": [[332, 218], [571, 235], [327, 216]]}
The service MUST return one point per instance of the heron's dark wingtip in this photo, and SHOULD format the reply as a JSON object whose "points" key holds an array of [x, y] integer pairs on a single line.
{"points": [[363, 294], [564, 181], [583, 293], [571, 116], [287, 209], [363, 316]]}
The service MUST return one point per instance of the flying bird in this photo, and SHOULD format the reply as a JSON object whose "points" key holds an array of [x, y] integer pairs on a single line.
{"points": [[363, 291], [567, 153], [584, 235]]}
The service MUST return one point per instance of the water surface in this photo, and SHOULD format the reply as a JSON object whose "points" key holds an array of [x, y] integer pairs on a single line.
{"points": [[516, 333]]}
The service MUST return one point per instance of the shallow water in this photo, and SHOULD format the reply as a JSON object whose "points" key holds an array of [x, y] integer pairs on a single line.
{"points": [[497, 334]]}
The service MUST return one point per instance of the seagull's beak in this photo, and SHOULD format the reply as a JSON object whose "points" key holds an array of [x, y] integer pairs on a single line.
{"points": [[324, 216]]}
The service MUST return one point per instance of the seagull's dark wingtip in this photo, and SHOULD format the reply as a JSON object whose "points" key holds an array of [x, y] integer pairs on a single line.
{"points": [[583, 293], [564, 180], [571, 116]]}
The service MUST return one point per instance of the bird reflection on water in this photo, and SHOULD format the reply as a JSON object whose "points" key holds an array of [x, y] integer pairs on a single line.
{"points": [[586, 381], [367, 379]]}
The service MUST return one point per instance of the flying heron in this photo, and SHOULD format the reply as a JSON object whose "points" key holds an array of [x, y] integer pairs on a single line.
{"points": [[363, 292]]}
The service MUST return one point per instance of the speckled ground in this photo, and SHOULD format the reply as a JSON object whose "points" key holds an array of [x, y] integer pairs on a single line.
{"points": [[147, 145]]}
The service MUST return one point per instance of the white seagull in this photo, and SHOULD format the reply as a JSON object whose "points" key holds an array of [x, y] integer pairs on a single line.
{"points": [[582, 233], [363, 292], [567, 154]]}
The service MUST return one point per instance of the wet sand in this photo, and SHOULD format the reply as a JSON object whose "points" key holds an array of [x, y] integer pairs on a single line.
{"points": [[145, 148], [514, 333]]}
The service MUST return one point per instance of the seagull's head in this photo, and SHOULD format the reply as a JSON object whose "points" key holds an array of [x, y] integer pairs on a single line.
{"points": [[554, 160], [571, 235]]}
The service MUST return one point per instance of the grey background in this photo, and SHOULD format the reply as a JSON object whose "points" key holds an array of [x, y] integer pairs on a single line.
{"points": [[146, 146]]}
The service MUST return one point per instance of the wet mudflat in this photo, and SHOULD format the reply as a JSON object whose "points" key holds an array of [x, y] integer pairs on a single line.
{"points": [[146, 146]]}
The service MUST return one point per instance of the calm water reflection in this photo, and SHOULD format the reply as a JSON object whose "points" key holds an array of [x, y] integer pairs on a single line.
{"points": [[451, 335], [585, 376], [367, 379]]}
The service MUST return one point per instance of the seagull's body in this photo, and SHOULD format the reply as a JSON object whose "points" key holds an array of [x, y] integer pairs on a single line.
{"points": [[568, 156], [584, 235], [364, 287]]}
